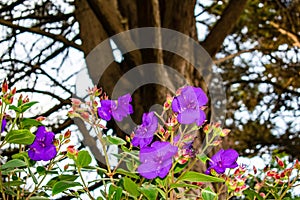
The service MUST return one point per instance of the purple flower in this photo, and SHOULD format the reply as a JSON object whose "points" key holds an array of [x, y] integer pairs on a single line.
{"points": [[144, 133], [156, 160], [42, 148], [3, 124], [222, 160], [188, 105], [116, 109]]}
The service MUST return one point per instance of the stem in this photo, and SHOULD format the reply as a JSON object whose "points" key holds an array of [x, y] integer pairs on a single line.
{"points": [[290, 185], [100, 137], [84, 184], [43, 178]]}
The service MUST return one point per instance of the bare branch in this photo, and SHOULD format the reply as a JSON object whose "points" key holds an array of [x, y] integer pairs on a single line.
{"points": [[36, 30], [289, 34]]}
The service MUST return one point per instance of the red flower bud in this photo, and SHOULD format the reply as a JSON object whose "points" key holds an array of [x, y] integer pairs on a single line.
{"points": [[254, 169], [4, 86], [14, 90], [66, 167], [279, 161], [67, 134], [71, 149]]}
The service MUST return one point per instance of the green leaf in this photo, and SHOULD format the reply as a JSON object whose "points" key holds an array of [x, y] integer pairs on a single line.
{"points": [[13, 183], [177, 185], [114, 140], [208, 194], [251, 194], [127, 173], [63, 185], [61, 178], [26, 106], [115, 192], [41, 170], [199, 177], [15, 163], [22, 136], [203, 158], [179, 167], [15, 108], [83, 159], [131, 187], [149, 191], [28, 123], [32, 176]]}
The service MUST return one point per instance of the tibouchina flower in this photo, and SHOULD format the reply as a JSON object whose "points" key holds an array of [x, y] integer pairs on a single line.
{"points": [[145, 132], [3, 124], [156, 161], [189, 105], [116, 109], [42, 148], [222, 160]]}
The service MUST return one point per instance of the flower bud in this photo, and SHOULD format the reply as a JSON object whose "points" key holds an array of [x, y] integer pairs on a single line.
{"points": [[224, 132], [71, 149], [14, 90], [85, 115], [67, 134], [67, 141], [217, 142], [56, 142], [297, 165], [75, 102], [66, 167], [279, 161], [263, 195], [40, 118], [4, 86], [254, 169]]}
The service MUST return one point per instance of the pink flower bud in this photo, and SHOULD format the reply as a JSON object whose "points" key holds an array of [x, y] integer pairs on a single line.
{"points": [[40, 118], [85, 115], [75, 102]]}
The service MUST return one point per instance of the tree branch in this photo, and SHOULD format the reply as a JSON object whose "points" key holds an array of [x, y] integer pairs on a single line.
{"points": [[289, 34], [224, 26], [219, 61], [284, 89], [36, 30]]}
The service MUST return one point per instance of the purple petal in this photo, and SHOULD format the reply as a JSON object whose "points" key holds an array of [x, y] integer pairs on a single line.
{"points": [[148, 170], [229, 158], [141, 142], [104, 111], [188, 116], [4, 122], [201, 96], [148, 154], [201, 119], [217, 157], [49, 153], [165, 168]]}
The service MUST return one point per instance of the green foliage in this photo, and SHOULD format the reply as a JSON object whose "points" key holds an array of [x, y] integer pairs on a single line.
{"points": [[23, 136]]}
